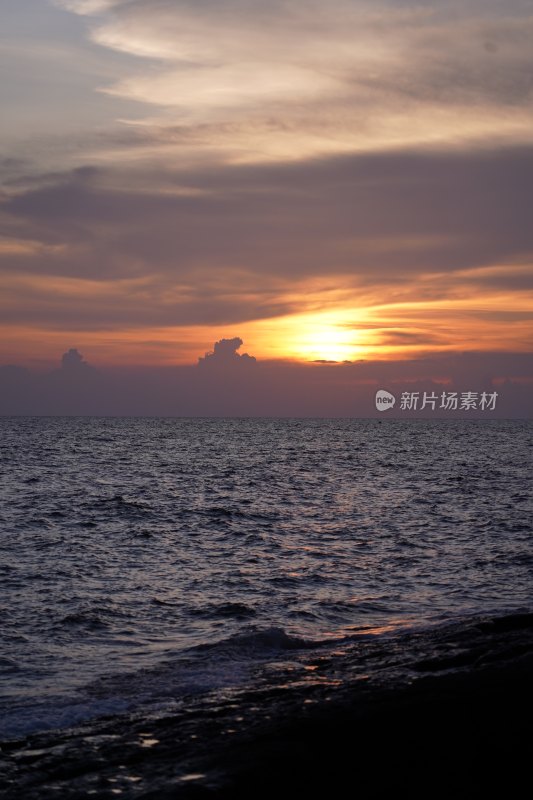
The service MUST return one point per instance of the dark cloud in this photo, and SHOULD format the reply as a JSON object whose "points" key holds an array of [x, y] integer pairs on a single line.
{"points": [[398, 337], [509, 279], [225, 354], [270, 388], [73, 361], [144, 309], [370, 216], [238, 246]]}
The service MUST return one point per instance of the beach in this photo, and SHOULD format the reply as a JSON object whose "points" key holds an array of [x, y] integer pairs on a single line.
{"points": [[429, 713]]}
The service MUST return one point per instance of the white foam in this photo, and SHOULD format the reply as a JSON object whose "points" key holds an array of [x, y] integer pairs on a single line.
{"points": [[22, 721]]}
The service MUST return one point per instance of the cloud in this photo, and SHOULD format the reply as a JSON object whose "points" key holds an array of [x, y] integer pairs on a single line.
{"points": [[399, 337], [270, 388], [371, 215], [422, 237], [291, 79], [73, 361], [275, 161], [225, 354], [299, 78], [86, 6]]}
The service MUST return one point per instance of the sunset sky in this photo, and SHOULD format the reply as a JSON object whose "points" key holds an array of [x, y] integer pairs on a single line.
{"points": [[340, 181]]}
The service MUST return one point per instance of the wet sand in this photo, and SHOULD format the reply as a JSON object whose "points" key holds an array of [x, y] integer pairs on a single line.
{"points": [[445, 712]]}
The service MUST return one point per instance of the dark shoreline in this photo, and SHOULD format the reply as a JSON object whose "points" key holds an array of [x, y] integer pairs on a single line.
{"points": [[437, 713]]}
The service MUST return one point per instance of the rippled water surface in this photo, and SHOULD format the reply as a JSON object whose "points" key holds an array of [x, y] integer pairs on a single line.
{"points": [[147, 558]]}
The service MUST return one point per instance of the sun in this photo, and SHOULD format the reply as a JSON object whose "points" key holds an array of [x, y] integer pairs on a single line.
{"points": [[323, 339], [332, 335], [326, 344]]}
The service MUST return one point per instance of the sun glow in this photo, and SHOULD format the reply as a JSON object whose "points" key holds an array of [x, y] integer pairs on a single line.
{"points": [[327, 344], [325, 338]]}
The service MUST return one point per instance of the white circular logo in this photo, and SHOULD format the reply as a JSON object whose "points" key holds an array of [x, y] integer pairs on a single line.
{"points": [[384, 400]]}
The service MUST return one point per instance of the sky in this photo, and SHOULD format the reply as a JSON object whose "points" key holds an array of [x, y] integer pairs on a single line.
{"points": [[340, 182]]}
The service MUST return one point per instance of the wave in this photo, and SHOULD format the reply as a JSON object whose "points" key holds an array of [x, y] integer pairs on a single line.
{"points": [[251, 658], [223, 611], [260, 642], [204, 668], [84, 619], [56, 713]]}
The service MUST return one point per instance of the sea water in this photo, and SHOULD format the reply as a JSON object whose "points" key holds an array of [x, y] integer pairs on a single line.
{"points": [[145, 560]]}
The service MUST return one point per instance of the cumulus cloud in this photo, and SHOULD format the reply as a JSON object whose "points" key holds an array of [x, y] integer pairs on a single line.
{"points": [[73, 361], [225, 354]]}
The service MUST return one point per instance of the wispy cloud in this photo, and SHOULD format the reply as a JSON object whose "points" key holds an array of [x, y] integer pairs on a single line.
{"points": [[362, 170], [300, 77]]}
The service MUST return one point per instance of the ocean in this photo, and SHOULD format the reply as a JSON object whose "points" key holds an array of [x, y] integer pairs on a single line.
{"points": [[148, 561]]}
